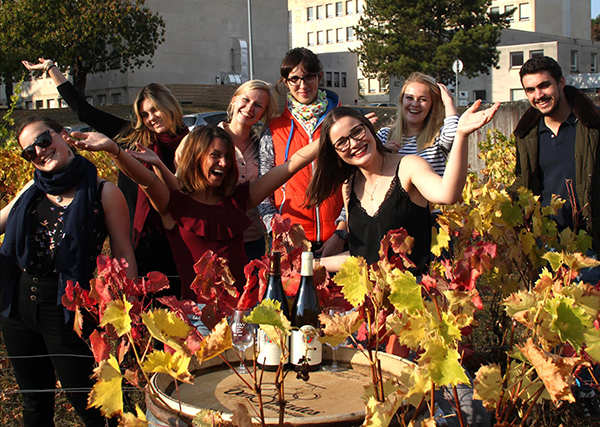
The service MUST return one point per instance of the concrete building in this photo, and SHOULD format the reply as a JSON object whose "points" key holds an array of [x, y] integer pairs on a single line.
{"points": [[206, 43], [560, 29]]}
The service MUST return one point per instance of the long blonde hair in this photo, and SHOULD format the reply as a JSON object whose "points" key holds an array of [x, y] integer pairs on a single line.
{"points": [[272, 108], [434, 120], [165, 102]]}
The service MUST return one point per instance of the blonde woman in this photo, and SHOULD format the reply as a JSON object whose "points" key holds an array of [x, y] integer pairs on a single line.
{"points": [[425, 123]]}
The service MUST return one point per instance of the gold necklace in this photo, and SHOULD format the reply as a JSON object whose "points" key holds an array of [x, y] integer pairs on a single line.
{"points": [[372, 193]]}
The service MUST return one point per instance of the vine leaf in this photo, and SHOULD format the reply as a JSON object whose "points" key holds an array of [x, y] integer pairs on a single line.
{"points": [[175, 365], [379, 414], [487, 385], [568, 321], [338, 328], [269, 316], [443, 364], [207, 418], [353, 277], [216, 343], [405, 292], [130, 420], [107, 394], [241, 416], [167, 327], [117, 315], [439, 240], [592, 339], [555, 371], [100, 346]]}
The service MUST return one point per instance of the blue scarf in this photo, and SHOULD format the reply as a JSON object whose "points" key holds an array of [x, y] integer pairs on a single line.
{"points": [[72, 261]]}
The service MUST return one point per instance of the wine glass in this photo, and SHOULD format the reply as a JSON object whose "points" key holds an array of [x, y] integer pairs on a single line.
{"points": [[242, 335], [334, 367]]}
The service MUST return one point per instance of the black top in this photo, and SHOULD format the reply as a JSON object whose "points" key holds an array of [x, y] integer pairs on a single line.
{"points": [[396, 210]]}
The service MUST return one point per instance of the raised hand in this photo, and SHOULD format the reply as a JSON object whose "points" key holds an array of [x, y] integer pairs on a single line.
{"points": [[40, 66], [471, 119], [144, 155], [93, 141]]}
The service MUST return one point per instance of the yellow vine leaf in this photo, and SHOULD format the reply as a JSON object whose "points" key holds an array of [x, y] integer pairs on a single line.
{"points": [[411, 330], [107, 394], [353, 277], [487, 385], [380, 414], [175, 365], [443, 364], [592, 341], [269, 316], [586, 296], [130, 420], [167, 327], [216, 343], [207, 418], [339, 327], [439, 240], [117, 315], [568, 321], [405, 292]]}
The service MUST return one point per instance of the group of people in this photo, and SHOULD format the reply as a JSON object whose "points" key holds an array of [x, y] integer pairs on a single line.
{"points": [[218, 187]]}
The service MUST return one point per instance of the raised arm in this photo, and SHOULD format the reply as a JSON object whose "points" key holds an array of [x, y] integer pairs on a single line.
{"points": [[417, 172], [115, 209], [144, 154], [99, 120], [273, 179], [266, 162], [156, 190]]}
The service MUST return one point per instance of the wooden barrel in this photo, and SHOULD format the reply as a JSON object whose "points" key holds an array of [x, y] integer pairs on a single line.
{"points": [[326, 399]]}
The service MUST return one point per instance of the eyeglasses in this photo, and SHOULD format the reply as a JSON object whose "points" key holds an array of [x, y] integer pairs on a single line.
{"points": [[357, 133], [308, 79], [43, 140]]}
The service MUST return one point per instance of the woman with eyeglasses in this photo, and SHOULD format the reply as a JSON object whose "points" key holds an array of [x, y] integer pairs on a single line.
{"points": [[53, 232], [158, 125], [299, 125], [384, 191]]}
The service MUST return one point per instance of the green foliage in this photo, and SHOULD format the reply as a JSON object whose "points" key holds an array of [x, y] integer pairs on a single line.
{"points": [[404, 36], [85, 35], [596, 28]]}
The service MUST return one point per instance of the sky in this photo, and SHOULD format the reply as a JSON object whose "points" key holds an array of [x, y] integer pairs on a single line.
{"points": [[595, 8]]}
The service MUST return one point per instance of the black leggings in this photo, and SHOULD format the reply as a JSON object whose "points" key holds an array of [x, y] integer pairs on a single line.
{"points": [[37, 328]]}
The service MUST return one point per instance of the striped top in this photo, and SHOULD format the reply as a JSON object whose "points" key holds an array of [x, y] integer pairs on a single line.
{"points": [[437, 154]]}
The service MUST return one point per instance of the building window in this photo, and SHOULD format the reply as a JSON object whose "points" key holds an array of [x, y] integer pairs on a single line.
{"points": [[509, 8], [336, 79], [536, 53], [101, 99], [372, 85], [329, 36], [310, 14], [574, 61], [494, 10], [329, 10], [116, 98], [328, 79], [28, 105], [320, 37], [361, 86], [479, 94], [339, 35], [524, 11], [516, 59], [39, 104], [349, 33], [517, 94], [359, 6], [320, 12], [310, 39], [343, 79], [339, 9], [51, 103], [63, 103], [594, 63], [349, 7]]}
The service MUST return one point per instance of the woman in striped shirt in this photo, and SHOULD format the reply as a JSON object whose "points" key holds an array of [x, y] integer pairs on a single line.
{"points": [[426, 122]]}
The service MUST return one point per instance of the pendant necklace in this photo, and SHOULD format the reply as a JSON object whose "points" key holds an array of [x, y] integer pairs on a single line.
{"points": [[372, 193], [59, 198]]}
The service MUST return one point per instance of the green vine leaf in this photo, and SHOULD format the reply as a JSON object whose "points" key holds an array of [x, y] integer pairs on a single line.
{"points": [[405, 293], [353, 277]]}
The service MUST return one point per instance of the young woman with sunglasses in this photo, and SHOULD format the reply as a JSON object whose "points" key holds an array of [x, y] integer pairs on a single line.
{"points": [[299, 125], [385, 191], [53, 231], [157, 125], [209, 210]]}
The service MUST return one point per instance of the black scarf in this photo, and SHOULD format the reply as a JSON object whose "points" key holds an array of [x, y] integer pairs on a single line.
{"points": [[72, 261]]}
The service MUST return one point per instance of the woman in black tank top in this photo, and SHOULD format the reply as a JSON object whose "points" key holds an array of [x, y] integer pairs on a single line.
{"points": [[385, 191], [54, 230]]}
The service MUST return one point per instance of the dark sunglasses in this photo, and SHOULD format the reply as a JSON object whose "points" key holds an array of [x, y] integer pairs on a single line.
{"points": [[357, 133], [43, 140]]}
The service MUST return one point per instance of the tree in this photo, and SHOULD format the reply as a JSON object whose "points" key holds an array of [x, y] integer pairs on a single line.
{"points": [[85, 35], [596, 28], [403, 36]]}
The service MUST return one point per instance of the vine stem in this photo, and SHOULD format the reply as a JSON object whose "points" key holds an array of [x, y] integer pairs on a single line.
{"points": [[458, 410], [536, 396], [432, 401]]}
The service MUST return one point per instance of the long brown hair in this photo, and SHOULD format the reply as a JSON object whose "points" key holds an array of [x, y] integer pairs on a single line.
{"points": [[190, 173], [330, 170], [434, 120], [164, 101]]}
